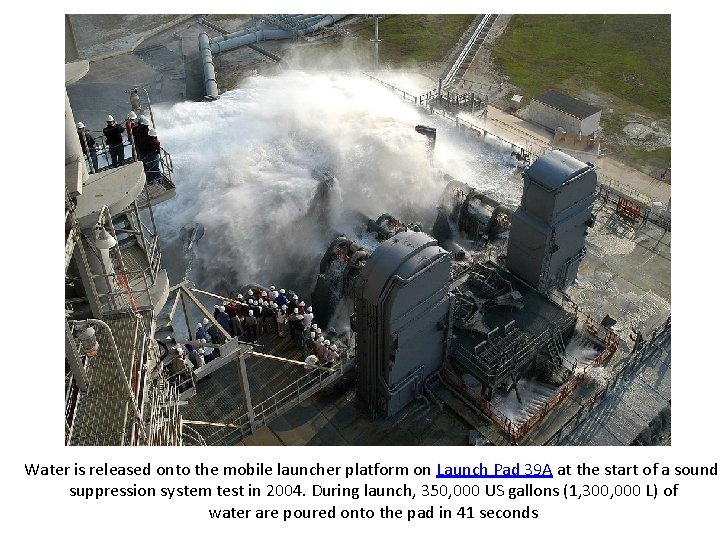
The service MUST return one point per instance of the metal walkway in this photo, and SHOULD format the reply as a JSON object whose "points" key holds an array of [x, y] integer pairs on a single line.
{"points": [[466, 55], [103, 414]]}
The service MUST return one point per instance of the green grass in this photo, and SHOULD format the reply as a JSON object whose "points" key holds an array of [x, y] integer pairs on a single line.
{"points": [[410, 40], [627, 56]]}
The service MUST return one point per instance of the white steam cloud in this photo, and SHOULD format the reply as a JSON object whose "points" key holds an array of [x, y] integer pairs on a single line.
{"points": [[248, 165]]}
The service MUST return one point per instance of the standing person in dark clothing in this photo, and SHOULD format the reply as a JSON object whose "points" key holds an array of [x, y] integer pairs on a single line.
{"points": [[113, 135], [151, 162], [281, 300], [140, 136], [88, 146], [251, 326], [224, 319], [296, 323]]}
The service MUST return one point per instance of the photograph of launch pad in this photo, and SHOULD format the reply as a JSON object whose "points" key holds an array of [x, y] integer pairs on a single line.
{"points": [[364, 230]]}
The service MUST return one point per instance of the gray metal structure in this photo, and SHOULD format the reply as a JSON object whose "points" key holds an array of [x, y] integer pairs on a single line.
{"points": [[547, 235], [403, 313]]}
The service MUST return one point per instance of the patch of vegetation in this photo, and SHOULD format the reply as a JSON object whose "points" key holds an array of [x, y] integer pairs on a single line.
{"points": [[624, 55], [410, 40]]}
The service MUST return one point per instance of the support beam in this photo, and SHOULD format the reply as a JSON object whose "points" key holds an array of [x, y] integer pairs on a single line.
{"points": [[242, 370], [205, 312]]}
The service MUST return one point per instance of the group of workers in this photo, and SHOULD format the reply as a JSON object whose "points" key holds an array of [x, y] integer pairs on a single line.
{"points": [[259, 312], [142, 139]]}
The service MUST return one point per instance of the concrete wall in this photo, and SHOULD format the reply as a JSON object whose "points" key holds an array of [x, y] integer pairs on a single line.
{"points": [[590, 124], [553, 118]]}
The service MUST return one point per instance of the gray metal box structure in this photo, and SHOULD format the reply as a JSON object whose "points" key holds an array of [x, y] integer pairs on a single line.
{"points": [[402, 310], [547, 235]]}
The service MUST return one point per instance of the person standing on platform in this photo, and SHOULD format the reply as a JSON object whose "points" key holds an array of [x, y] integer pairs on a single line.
{"points": [[130, 123], [113, 136], [88, 146]]}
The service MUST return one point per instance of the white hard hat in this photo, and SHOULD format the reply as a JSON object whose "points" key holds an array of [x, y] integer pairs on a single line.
{"points": [[152, 132], [265, 304], [250, 292], [263, 293], [169, 338], [327, 342], [301, 304], [199, 325], [295, 296], [250, 312], [222, 309], [333, 347], [284, 307], [109, 118], [216, 306], [205, 321], [282, 291], [80, 125], [272, 287], [312, 334], [309, 309], [314, 326], [240, 296], [201, 350], [296, 310], [132, 115]]}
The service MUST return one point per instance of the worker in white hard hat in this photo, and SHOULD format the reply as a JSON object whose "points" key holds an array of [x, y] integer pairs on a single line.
{"points": [[201, 332], [114, 139], [140, 136], [88, 147], [130, 123], [282, 321], [297, 322], [273, 293], [281, 299], [224, 319], [151, 161], [320, 348], [309, 339], [251, 326], [308, 315], [311, 362], [182, 368], [200, 357]]}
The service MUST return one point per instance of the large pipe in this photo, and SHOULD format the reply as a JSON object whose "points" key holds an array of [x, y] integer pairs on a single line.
{"points": [[211, 87], [244, 37]]}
